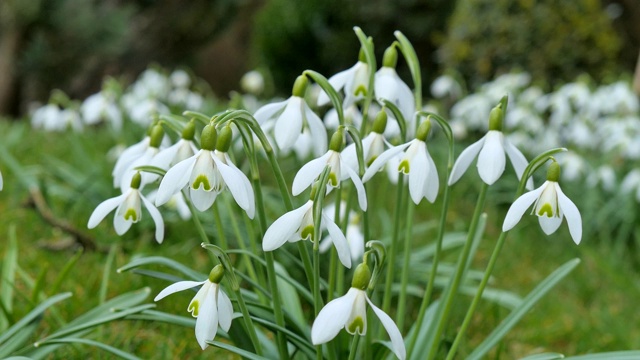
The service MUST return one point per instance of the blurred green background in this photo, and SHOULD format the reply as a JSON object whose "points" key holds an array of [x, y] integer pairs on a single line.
{"points": [[73, 44]]}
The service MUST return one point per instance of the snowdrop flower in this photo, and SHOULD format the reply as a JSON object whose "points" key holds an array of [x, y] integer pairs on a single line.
{"points": [[298, 224], [350, 312], [416, 163], [354, 81], [550, 204], [252, 82], [51, 118], [181, 150], [631, 183], [491, 154], [211, 306], [145, 158], [290, 118], [389, 86], [128, 210], [339, 171], [352, 116], [208, 173], [128, 156], [372, 145], [101, 106], [446, 85]]}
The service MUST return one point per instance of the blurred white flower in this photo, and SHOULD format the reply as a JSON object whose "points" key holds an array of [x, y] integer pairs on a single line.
{"points": [[252, 82], [101, 106]]}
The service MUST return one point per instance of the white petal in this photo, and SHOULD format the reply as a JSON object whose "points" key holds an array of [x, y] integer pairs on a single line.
{"points": [[207, 320], [339, 241], [120, 224], [175, 179], [332, 318], [157, 219], [225, 310], [202, 200], [337, 81], [464, 160], [237, 182], [377, 164], [397, 343], [549, 225], [571, 212], [284, 227], [289, 124], [317, 129], [104, 209], [164, 158], [127, 156], [418, 170], [519, 206], [491, 160], [308, 173], [518, 161], [1, 181], [433, 182], [362, 194], [268, 111], [179, 286]]}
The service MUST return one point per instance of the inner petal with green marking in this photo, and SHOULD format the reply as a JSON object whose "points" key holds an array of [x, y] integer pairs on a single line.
{"points": [[201, 180]]}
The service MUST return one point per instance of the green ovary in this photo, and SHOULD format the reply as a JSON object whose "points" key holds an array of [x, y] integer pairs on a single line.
{"points": [[131, 215], [201, 180]]}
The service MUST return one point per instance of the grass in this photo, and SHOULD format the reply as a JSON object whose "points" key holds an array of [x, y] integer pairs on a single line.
{"points": [[594, 309]]}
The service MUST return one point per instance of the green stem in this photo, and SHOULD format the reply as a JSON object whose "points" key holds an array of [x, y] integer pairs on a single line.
{"points": [[277, 304], [197, 223], [400, 198], [406, 266], [222, 238], [241, 242], [478, 296], [462, 261], [434, 268], [248, 323], [354, 347]]}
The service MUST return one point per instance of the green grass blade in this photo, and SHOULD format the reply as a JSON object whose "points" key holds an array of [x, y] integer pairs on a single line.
{"points": [[104, 285], [9, 264], [111, 349], [244, 353], [32, 315], [544, 356], [159, 260], [65, 271], [123, 301], [527, 303], [19, 339], [615, 355]]}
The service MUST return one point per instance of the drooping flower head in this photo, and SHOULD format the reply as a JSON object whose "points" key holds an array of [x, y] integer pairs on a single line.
{"points": [[290, 117], [350, 312], [389, 86], [550, 204], [339, 170], [354, 81], [148, 157], [211, 306], [208, 173], [128, 210], [491, 151], [415, 163]]}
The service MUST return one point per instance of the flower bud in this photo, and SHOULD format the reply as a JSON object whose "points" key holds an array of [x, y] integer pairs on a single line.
{"points": [[224, 139], [208, 138], [390, 57], [380, 123], [553, 172], [157, 133], [216, 274], [300, 86], [361, 277], [189, 131]]}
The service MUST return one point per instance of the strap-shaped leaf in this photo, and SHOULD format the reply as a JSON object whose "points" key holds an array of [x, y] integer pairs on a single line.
{"points": [[160, 260], [244, 353], [111, 349]]}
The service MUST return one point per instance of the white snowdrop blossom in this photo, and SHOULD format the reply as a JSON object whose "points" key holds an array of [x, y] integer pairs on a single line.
{"points": [[354, 81], [252, 82], [290, 117], [298, 224], [550, 204], [490, 150], [373, 145], [339, 171], [211, 306], [146, 157], [353, 233], [415, 162], [207, 174], [128, 210], [128, 156], [389, 86], [350, 312]]}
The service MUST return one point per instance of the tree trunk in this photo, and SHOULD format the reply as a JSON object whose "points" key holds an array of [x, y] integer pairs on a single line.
{"points": [[9, 44]]}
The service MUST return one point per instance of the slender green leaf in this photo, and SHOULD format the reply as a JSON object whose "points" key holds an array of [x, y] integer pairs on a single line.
{"points": [[159, 260], [336, 99], [151, 169], [155, 315], [111, 349], [32, 315], [65, 271], [19, 339], [544, 356], [105, 274], [527, 303], [7, 281], [235, 350], [615, 355]]}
